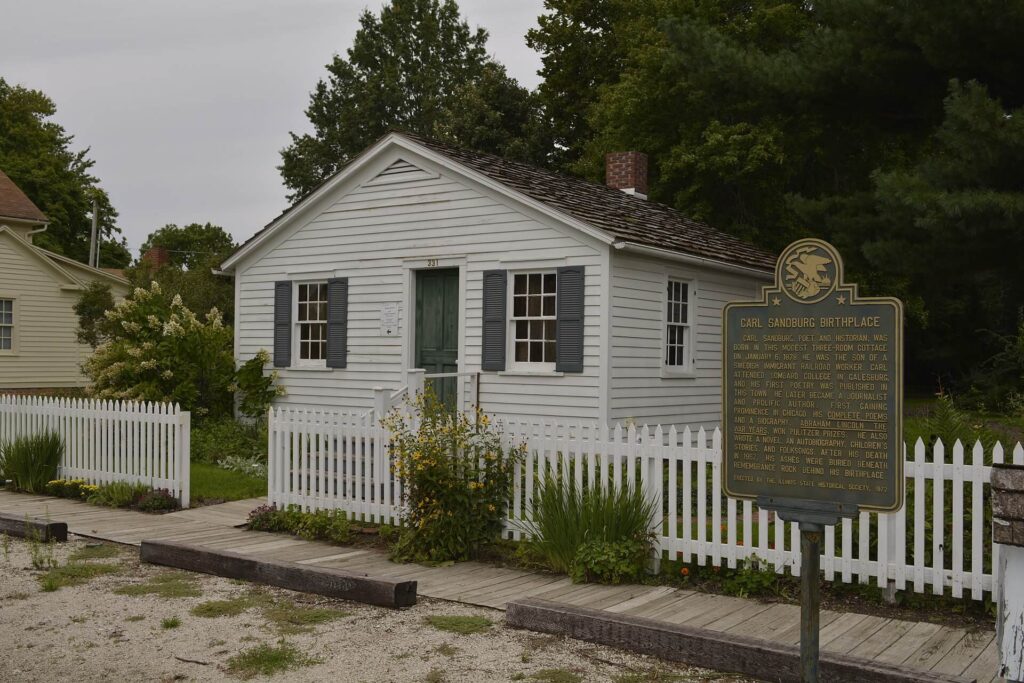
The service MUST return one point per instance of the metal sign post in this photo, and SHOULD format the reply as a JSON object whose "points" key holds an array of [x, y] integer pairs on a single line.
{"points": [[812, 407]]}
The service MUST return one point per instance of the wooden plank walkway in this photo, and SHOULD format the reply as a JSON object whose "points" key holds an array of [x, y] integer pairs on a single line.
{"points": [[918, 645]]}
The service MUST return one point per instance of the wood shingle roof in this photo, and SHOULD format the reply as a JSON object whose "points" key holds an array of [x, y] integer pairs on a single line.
{"points": [[626, 217]]}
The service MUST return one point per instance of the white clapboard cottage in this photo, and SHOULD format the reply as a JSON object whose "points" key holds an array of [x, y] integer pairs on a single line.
{"points": [[536, 294]]}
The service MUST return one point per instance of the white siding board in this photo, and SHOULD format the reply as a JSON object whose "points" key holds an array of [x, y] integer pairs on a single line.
{"points": [[369, 235], [639, 391]]}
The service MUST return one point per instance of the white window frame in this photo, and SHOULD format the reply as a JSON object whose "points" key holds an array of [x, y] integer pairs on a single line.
{"points": [[687, 368], [297, 359], [510, 344], [13, 326]]}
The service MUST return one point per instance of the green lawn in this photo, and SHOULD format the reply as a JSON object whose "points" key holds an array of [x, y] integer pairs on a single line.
{"points": [[211, 483]]}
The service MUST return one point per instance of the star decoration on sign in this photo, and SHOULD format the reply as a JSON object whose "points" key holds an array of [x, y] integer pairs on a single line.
{"points": [[841, 299], [776, 301]]}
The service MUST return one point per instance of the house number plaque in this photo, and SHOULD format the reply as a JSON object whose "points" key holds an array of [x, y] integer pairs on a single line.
{"points": [[812, 405]]}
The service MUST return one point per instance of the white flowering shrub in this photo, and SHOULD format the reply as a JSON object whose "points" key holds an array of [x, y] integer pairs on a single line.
{"points": [[156, 349]]}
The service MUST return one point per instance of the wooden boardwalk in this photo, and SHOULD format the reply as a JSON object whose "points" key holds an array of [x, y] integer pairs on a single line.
{"points": [[919, 645]]}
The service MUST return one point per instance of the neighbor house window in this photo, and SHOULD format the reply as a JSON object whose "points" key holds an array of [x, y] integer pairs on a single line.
{"points": [[6, 324], [311, 319], [678, 334], [533, 322]]}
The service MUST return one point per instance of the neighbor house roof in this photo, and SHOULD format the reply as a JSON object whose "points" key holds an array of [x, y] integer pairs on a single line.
{"points": [[69, 269], [15, 204], [625, 218]]}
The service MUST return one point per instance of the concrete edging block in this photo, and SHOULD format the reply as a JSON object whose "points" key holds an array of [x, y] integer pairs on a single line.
{"points": [[335, 583], [33, 527]]}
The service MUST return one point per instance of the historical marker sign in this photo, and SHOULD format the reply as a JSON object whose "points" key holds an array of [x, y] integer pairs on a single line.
{"points": [[813, 386]]}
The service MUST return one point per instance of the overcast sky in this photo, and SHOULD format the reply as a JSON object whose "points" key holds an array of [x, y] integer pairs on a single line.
{"points": [[186, 103]]}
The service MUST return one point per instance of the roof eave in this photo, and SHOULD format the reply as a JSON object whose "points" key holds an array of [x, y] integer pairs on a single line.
{"points": [[671, 255], [24, 219]]}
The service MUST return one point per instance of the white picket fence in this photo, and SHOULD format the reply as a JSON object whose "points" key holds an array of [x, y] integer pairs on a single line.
{"points": [[325, 460], [106, 441]]}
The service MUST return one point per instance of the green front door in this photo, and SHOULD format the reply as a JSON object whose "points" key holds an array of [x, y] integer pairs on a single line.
{"points": [[437, 328]]}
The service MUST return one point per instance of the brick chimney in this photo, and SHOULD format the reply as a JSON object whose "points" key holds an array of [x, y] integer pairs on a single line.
{"points": [[627, 171], [156, 258]]}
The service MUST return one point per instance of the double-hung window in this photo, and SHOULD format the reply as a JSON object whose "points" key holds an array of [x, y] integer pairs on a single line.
{"points": [[6, 324], [311, 323], [678, 326], [533, 322]]}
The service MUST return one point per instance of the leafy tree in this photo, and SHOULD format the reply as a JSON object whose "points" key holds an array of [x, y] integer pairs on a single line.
{"points": [[36, 152], [496, 114], [584, 44], [91, 310], [191, 245], [195, 251], [406, 69], [952, 233], [774, 119]]}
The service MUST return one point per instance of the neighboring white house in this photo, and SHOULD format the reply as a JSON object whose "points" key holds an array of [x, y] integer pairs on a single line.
{"points": [[39, 349], [551, 296]]}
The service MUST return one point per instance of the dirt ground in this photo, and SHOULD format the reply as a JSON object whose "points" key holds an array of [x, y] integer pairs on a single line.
{"points": [[136, 623]]}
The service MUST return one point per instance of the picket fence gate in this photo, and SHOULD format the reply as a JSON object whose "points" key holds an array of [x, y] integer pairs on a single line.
{"points": [[939, 539], [107, 441]]}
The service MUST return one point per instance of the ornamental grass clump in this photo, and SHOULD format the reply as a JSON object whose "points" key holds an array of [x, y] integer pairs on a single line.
{"points": [[598, 534], [31, 462], [457, 480]]}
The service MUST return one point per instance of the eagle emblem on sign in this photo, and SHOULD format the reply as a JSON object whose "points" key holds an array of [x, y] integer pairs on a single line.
{"points": [[809, 272]]}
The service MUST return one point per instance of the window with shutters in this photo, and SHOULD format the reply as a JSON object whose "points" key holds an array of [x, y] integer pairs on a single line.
{"points": [[311, 323], [532, 320], [678, 326], [6, 324]]}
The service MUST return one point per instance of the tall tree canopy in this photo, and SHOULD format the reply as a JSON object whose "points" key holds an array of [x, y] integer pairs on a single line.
{"points": [[887, 128], [190, 246], [194, 251], [416, 66], [583, 46], [36, 152]]}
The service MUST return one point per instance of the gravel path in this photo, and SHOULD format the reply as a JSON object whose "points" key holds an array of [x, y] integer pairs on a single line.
{"points": [[90, 632]]}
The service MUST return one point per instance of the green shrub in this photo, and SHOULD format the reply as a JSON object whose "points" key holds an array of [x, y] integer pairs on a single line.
{"points": [[215, 441], [31, 462], [609, 561], [256, 390], [157, 500], [118, 494], [458, 480], [753, 577], [591, 534], [322, 525], [949, 423], [250, 467]]}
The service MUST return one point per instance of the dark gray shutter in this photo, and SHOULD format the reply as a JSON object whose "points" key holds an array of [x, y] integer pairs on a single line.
{"points": [[495, 291], [569, 310], [337, 322], [282, 324]]}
